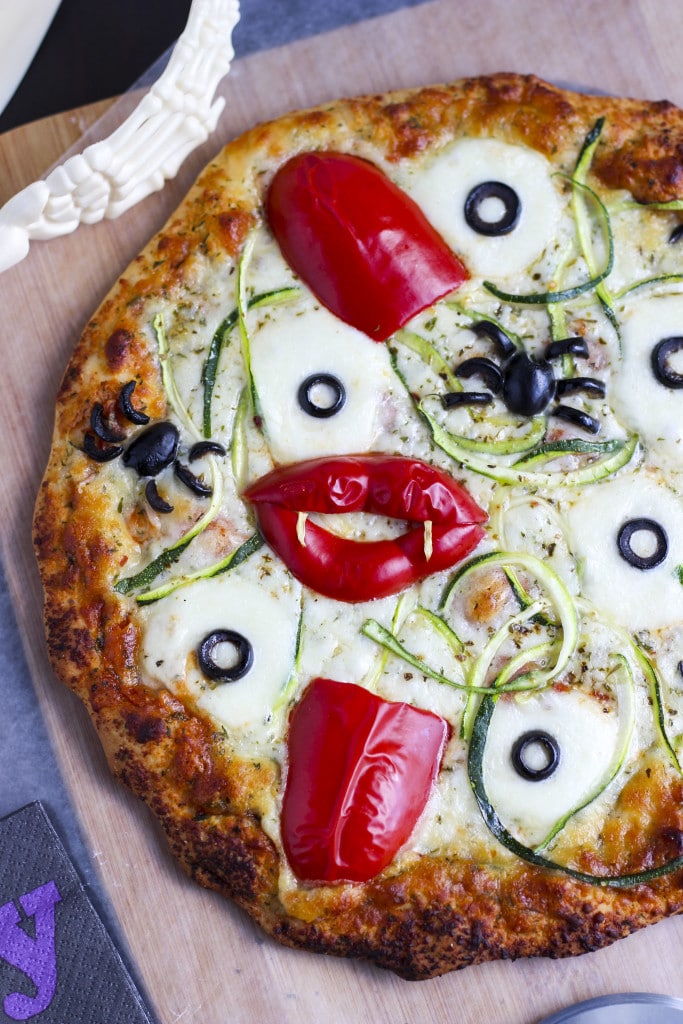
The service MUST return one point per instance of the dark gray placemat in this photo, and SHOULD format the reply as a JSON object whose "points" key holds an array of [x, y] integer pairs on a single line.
{"points": [[58, 964]]}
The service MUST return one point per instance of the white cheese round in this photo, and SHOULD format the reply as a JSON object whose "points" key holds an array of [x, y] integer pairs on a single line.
{"points": [[648, 407], [585, 734], [442, 188], [261, 606], [301, 340], [632, 597]]}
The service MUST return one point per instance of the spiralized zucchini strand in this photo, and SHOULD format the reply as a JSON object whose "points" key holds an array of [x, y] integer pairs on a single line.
{"points": [[618, 453], [222, 334], [626, 704], [231, 561]]}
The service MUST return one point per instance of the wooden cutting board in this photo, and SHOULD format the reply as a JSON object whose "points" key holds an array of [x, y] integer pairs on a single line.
{"points": [[199, 960]]}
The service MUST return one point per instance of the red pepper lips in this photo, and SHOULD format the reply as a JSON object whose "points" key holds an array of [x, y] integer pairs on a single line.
{"points": [[387, 485]]}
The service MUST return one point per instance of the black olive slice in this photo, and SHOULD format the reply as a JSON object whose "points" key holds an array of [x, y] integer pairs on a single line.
{"points": [[496, 334], [567, 347], [155, 500], [191, 481], [541, 742], [660, 366], [512, 208], [243, 650], [98, 452], [577, 417], [306, 395], [101, 428], [132, 414], [676, 234], [589, 385], [153, 449], [528, 385], [491, 374], [202, 448], [626, 551], [454, 399]]}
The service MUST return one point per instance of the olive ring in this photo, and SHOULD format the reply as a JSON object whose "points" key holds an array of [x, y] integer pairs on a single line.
{"points": [[625, 534], [220, 673], [327, 380], [551, 752], [660, 365], [493, 190]]}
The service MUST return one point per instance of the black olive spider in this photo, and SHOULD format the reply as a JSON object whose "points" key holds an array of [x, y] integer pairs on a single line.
{"points": [[526, 385], [151, 451]]}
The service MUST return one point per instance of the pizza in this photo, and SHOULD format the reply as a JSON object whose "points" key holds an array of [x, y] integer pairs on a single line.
{"points": [[361, 534]]}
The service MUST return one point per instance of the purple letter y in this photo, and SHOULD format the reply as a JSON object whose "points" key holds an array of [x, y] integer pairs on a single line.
{"points": [[36, 958]]}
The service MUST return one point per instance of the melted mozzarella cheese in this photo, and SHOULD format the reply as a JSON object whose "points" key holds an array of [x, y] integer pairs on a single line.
{"points": [[585, 735], [651, 409], [257, 600], [443, 186], [302, 340], [634, 598], [298, 339]]}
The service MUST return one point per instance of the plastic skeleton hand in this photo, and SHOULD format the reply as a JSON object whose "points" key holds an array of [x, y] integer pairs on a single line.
{"points": [[108, 177]]}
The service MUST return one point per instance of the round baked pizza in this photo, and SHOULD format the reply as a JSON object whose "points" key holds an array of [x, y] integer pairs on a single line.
{"points": [[362, 533]]}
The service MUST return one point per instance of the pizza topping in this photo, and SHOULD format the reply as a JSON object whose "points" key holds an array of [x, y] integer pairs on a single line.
{"points": [[155, 500], [386, 485], [577, 417], [225, 673], [611, 456], [360, 243], [567, 347], [221, 336], [492, 819], [360, 772], [643, 390], [100, 452], [535, 755], [286, 351], [191, 481], [153, 449], [322, 395], [454, 399], [527, 385], [649, 516], [235, 601], [660, 362], [597, 274], [101, 428], [447, 185], [499, 217], [634, 527], [202, 448], [488, 329], [127, 408]]}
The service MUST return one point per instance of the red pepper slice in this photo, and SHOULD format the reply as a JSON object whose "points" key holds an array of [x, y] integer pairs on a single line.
{"points": [[360, 243], [388, 485], [360, 771]]}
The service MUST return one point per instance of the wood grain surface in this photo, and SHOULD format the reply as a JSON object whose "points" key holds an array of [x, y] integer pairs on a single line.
{"points": [[200, 960]]}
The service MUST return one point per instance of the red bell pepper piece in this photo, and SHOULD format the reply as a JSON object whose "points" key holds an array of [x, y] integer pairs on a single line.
{"points": [[360, 771], [387, 485], [360, 243]]}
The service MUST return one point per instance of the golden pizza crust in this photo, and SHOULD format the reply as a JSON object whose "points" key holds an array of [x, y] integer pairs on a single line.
{"points": [[435, 914]]}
